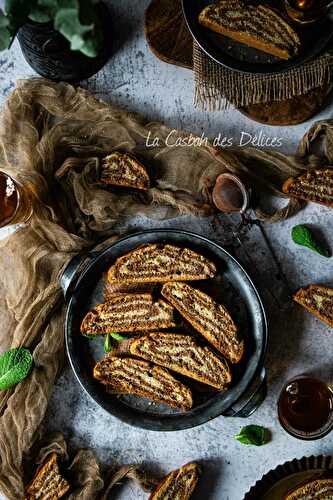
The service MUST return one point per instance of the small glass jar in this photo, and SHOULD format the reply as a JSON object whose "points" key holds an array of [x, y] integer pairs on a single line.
{"points": [[305, 408], [15, 201]]}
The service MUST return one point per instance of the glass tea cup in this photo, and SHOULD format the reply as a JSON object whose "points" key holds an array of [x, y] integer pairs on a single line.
{"points": [[15, 201], [307, 11], [305, 408]]}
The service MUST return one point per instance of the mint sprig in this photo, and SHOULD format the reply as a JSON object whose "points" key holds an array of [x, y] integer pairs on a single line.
{"points": [[253, 435], [118, 337], [107, 343], [108, 340], [301, 235], [15, 366]]}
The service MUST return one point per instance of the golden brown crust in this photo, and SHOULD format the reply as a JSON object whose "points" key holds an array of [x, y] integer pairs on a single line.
{"points": [[130, 172], [143, 379], [181, 482], [245, 38], [128, 313], [301, 295], [231, 355], [33, 490], [206, 19], [309, 488], [293, 183], [155, 258], [182, 354]]}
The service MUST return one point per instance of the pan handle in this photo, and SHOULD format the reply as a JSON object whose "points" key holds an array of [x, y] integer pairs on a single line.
{"points": [[70, 275], [246, 407]]}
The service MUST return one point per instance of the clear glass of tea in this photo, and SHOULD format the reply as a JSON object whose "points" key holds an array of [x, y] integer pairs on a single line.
{"points": [[15, 201], [305, 408]]}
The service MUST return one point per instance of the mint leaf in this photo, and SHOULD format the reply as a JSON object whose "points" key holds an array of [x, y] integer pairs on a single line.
{"points": [[107, 343], [253, 435], [118, 337], [301, 235], [15, 366]]}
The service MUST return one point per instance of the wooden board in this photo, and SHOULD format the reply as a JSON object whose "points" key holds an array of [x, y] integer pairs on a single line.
{"points": [[167, 34], [291, 111], [169, 39]]}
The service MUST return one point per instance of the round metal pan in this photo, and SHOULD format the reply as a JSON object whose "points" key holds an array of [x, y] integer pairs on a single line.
{"points": [[239, 57], [277, 482], [83, 282]]}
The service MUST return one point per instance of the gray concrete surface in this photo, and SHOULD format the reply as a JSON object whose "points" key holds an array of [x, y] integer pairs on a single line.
{"points": [[299, 343]]}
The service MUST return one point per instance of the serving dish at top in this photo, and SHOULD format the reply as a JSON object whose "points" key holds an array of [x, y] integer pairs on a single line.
{"points": [[315, 39], [83, 284]]}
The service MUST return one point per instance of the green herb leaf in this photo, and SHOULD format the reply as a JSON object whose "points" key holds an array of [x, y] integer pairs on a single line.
{"points": [[253, 434], [118, 337], [301, 235], [107, 343], [15, 365]]}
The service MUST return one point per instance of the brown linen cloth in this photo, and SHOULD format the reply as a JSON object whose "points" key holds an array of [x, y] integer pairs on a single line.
{"points": [[52, 137]]}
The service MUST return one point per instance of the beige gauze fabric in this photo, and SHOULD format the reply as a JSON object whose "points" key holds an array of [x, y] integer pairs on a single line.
{"points": [[52, 138]]}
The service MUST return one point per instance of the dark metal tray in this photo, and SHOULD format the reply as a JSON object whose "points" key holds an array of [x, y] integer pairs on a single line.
{"points": [[277, 482], [83, 281], [240, 57]]}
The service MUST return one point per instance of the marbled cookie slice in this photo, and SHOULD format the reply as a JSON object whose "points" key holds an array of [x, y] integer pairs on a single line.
{"points": [[132, 376], [128, 313], [313, 185], [318, 300], [212, 320]]}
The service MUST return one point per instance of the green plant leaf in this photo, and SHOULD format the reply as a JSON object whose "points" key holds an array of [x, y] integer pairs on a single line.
{"points": [[4, 21], [15, 366], [49, 4], [253, 435], [81, 36], [5, 36], [118, 337], [107, 343], [17, 12], [302, 235], [39, 15]]}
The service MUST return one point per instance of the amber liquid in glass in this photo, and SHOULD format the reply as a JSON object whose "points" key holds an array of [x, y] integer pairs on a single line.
{"points": [[305, 408], [15, 202], [306, 11]]}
